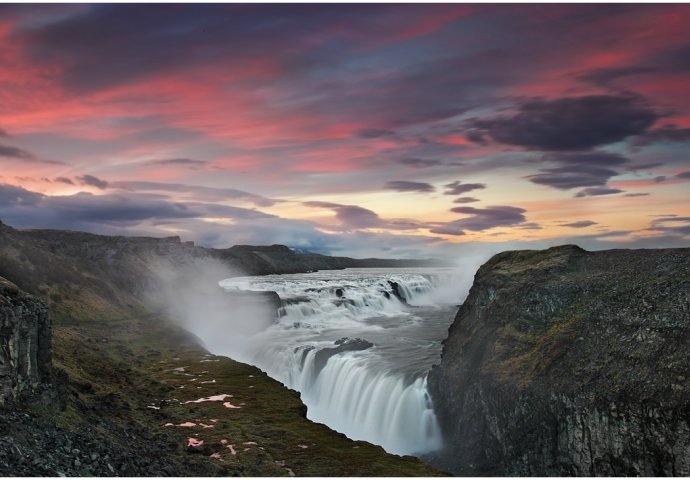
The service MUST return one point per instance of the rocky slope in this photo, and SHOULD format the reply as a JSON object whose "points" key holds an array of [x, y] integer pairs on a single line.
{"points": [[566, 362], [126, 379]]}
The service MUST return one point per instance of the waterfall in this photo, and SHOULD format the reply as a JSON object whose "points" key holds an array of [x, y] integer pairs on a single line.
{"points": [[363, 392]]}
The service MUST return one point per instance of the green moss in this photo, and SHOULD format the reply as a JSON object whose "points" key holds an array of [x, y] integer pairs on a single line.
{"points": [[519, 356]]}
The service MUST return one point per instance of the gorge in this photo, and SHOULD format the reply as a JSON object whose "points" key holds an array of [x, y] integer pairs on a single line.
{"points": [[559, 362]]}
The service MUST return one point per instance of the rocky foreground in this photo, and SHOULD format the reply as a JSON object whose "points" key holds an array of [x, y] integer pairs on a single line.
{"points": [[567, 362], [124, 391]]}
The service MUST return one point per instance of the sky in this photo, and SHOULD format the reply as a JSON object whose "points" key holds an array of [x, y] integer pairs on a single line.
{"points": [[389, 130]]}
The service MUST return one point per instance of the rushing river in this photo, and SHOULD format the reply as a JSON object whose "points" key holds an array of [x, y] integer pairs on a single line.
{"points": [[377, 394]]}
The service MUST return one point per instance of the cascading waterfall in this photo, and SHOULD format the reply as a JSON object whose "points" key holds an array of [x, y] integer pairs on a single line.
{"points": [[369, 392]]}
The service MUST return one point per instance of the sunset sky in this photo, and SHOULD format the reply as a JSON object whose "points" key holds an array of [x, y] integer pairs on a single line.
{"points": [[394, 130]]}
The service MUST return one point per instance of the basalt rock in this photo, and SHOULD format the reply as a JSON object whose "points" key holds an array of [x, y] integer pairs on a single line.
{"points": [[567, 362], [25, 343]]}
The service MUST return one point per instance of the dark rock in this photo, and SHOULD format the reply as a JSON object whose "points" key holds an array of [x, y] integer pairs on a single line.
{"points": [[395, 286], [25, 342], [339, 292], [565, 362], [342, 345]]}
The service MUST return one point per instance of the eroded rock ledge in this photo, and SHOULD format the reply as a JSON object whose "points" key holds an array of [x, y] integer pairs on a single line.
{"points": [[25, 349], [567, 362]]}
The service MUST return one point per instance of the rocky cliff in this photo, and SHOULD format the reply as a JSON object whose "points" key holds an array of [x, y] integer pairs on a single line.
{"points": [[567, 362], [25, 352]]}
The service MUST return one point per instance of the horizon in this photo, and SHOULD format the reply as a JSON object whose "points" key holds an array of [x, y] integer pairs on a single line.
{"points": [[389, 131]]}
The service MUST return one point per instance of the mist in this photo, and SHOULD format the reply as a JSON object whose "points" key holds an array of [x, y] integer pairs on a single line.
{"points": [[190, 295]]}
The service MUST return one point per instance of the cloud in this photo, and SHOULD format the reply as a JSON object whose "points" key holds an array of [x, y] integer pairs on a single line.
{"points": [[64, 180], [354, 217], [197, 192], [351, 216], [92, 181], [579, 224], [419, 162], [595, 158], [87, 211], [404, 186], [672, 225], [11, 196], [450, 228], [570, 123], [178, 161], [480, 219], [578, 169], [374, 133], [14, 152], [640, 194], [458, 188], [604, 77], [566, 178], [3, 133], [684, 175], [665, 134], [596, 191], [465, 200]]}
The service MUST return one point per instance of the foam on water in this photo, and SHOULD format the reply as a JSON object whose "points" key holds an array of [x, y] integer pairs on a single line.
{"points": [[378, 394]]}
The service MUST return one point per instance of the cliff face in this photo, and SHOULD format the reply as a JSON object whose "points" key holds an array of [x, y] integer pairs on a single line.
{"points": [[567, 362], [25, 351]]}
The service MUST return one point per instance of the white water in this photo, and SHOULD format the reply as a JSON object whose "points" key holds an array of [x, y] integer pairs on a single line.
{"points": [[378, 394]]}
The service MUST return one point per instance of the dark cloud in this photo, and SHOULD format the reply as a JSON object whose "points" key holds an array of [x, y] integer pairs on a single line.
{"points": [[11, 196], [480, 219], [405, 186], [450, 228], [91, 212], [458, 188], [419, 162], [354, 217], [197, 192], [64, 180], [684, 175], [178, 161], [575, 176], [92, 181], [3, 133], [640, 194], [465, 200], [604, 77], [596, 191], [578, 169], [14, 152], [529, 226], [672, 225], [24, 156], [594, 158], [374, 133], [579, 224], [665, 134], [351, 216], [570, 123], [645, 166]]}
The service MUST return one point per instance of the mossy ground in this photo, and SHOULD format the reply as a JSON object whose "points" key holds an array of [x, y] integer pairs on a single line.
{"points": [[124, 366]]}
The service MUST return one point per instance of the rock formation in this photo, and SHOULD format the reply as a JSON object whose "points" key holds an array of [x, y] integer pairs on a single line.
{"points": [[25, 351], [566, 362]]}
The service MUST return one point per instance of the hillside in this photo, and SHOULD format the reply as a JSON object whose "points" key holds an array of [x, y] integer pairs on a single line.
{"points": [[567, 362], [126, 379]]}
